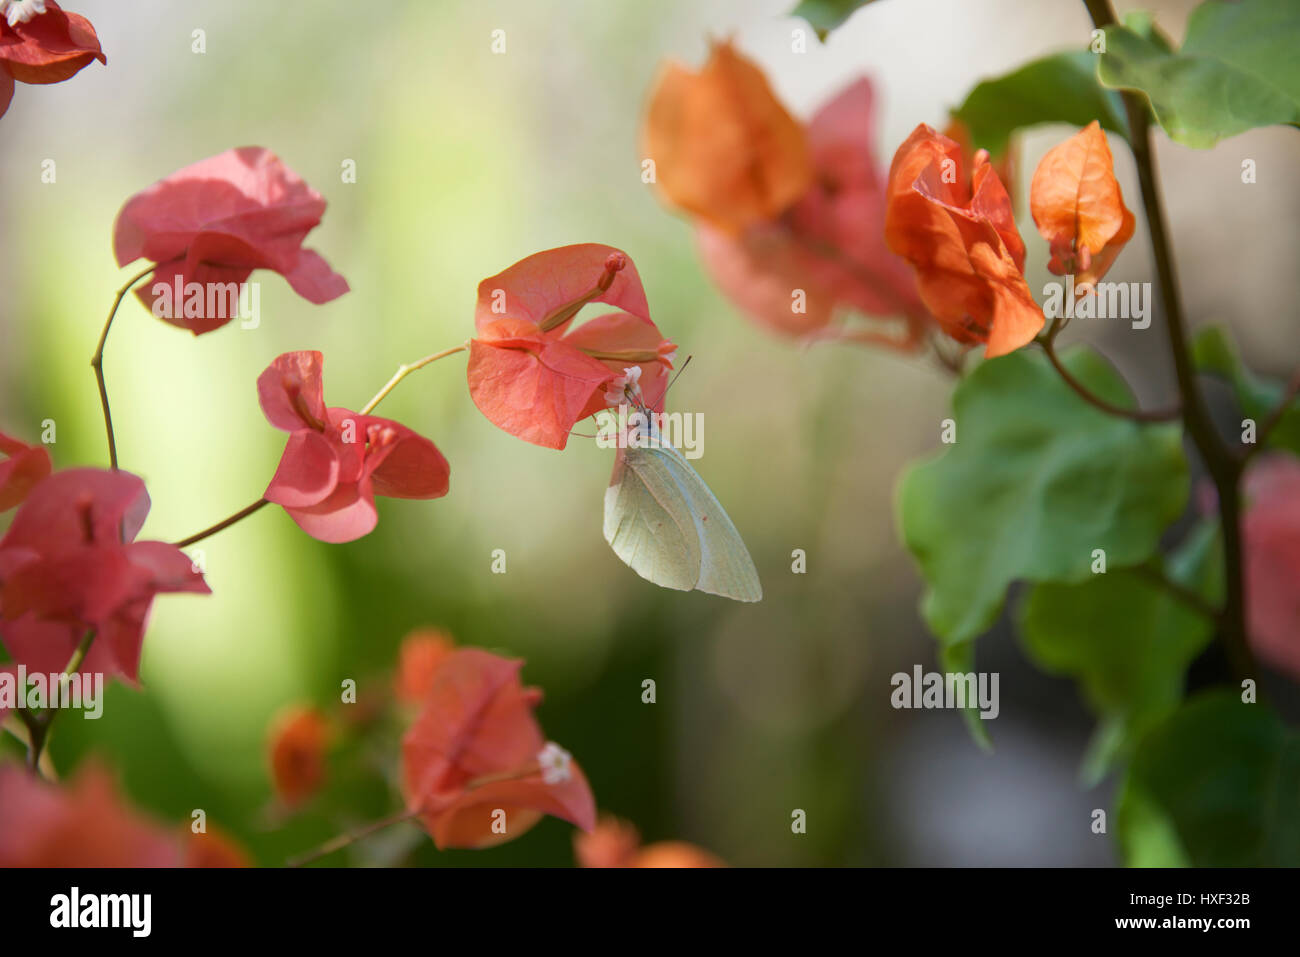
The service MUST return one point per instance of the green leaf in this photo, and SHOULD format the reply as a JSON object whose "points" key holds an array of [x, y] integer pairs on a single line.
{"points": [[960, 660], [827, 15], [1147, 836], [1036, 480], [1143, 23], [1127, 640], [1062, 88], [1237, 69], [1214, 354], [1217, 784]]}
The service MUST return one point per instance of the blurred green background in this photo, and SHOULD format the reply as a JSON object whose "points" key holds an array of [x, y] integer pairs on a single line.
{"points": [[466, 162]]}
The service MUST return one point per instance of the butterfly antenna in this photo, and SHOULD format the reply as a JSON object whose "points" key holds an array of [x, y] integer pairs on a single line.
{"points": [[674, 379]]}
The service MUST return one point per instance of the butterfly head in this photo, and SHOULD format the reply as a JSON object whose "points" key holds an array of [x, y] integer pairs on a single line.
{"points": [[626, 389]]}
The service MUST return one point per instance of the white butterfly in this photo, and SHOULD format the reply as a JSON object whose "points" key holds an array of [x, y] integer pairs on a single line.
{"points": [[665, 523]]}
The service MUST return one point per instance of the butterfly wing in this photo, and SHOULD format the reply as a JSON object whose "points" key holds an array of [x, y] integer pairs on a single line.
{"points": [[726, 568], [667, 525], [645, 529]]}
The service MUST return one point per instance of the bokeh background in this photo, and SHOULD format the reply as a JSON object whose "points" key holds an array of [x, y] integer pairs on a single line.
{"points": [[466, 162]]}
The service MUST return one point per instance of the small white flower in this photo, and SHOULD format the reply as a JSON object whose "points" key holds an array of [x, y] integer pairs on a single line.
{"points": [[626, 386], [554, 761], [21, 11]]}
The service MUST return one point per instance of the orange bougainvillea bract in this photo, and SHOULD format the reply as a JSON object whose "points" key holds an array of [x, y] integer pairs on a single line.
{"points": [[531, 371], [1078, 207], [43, 44], [418, 660], [476, 768], [69, 563], [1005, 164], [829, 245], [959, 233], [725, 150], [336, 461], [616, 843], [21, 468], [87, 824], [298, 741], [212, 224], [213, 849]]}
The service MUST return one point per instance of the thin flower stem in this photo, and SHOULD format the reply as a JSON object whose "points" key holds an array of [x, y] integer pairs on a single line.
{"points": [[35, 737], [1223, 464], [242, 514], [22, 734], [97, 361], [38, 725], [951, 362], [79, 656], [350, 837], [1048, 342], [404, 370]]}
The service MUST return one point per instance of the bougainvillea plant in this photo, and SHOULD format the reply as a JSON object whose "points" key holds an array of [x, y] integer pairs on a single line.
{"points": [[1136, 540], [1053, 478], [76, 588]]}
